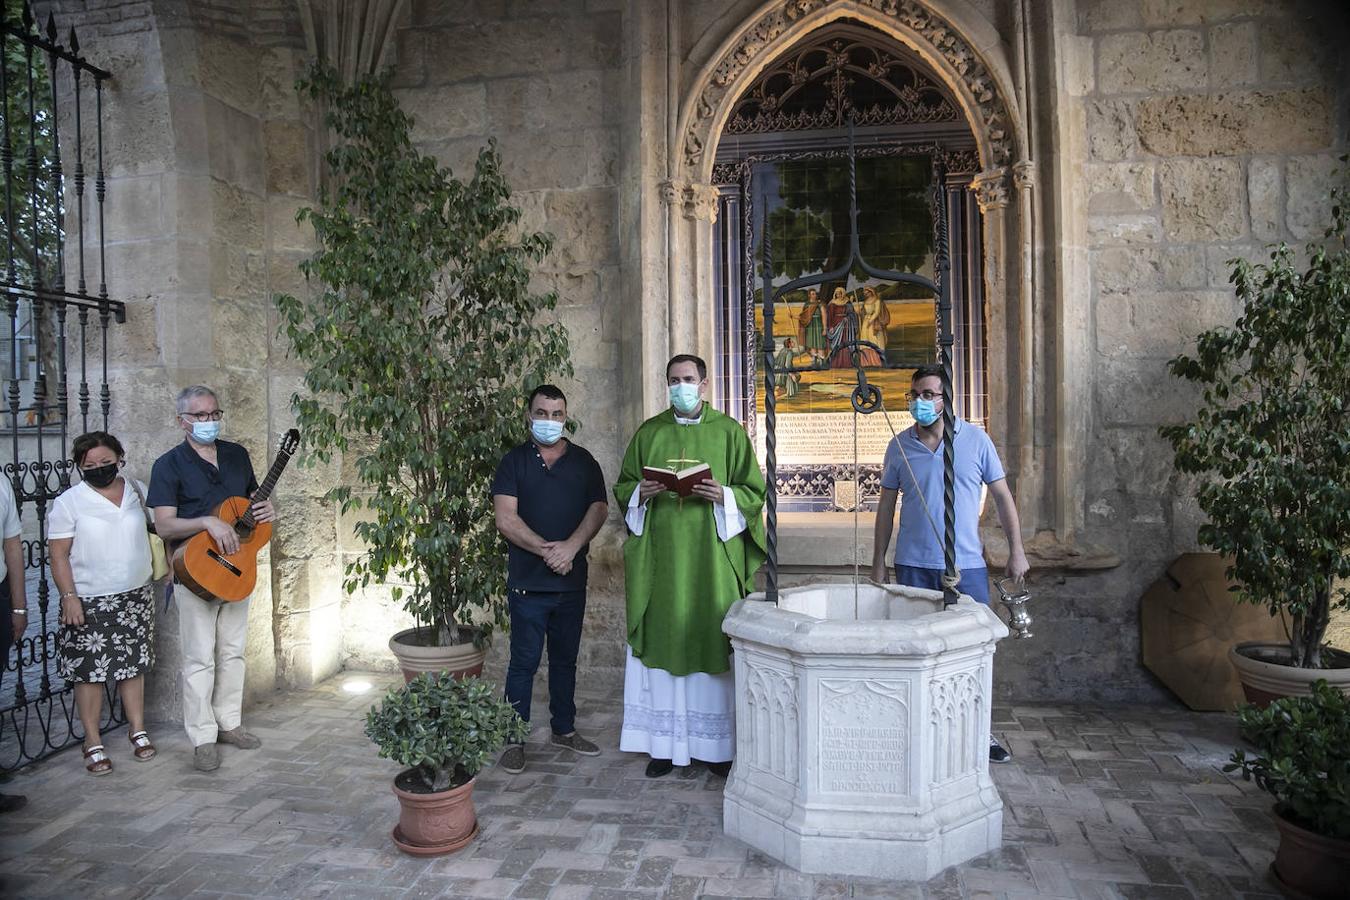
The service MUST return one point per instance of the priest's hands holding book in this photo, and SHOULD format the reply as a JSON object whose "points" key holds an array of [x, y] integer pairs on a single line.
{"points": [[709, 490], [649, 489]]}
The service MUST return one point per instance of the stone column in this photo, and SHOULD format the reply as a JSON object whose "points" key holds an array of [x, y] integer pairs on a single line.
{"points": [[991, 193], [1026, 482], [700, 310], [647, 209]]}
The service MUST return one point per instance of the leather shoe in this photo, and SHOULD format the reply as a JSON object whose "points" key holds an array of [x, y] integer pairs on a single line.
{"points": [[240, 738], [206, 758], [720, 769], [658, 767]]}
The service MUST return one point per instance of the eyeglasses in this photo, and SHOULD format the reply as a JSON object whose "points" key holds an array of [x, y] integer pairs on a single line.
{"points": [[930, 396], [203, 416]]}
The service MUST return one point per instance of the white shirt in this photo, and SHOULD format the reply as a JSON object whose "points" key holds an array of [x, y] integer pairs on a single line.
{"points": [[726, 515], [110, 553], [10, 526]]}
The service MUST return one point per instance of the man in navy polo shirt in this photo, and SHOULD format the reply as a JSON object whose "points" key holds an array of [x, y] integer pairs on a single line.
{"points": [[549, 498], [914, 466], [187, 485]]}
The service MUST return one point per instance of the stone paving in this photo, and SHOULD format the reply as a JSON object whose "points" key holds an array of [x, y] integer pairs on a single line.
{"points": [[1100, 802]]}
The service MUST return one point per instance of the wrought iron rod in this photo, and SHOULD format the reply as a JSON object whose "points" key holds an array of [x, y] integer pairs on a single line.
{"points": [[59, 235], [770, 415], [942, 264]]}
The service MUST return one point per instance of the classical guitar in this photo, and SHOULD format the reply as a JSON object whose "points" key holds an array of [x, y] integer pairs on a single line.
{"points": [[203, 569]]}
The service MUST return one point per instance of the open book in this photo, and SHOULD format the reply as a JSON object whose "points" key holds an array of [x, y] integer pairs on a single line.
{"points": [[681, 482]]}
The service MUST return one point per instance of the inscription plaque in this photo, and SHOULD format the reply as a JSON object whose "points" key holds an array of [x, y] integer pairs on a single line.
{"points": [[863, 746]]}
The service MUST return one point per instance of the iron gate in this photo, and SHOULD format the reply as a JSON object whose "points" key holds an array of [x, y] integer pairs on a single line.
{"points": [[52, 122]]}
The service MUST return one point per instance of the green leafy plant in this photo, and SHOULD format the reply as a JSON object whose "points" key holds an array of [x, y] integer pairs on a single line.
{"points": [[1271, 436], [1304, 757], [446, 729], [418, 343]]}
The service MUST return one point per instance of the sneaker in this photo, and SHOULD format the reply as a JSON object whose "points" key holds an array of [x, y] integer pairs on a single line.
{"points": [[206, 758], [996, 752], [238, 737], [576, 743], [513, 760]]}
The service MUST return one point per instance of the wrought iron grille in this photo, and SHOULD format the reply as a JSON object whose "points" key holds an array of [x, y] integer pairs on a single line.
{"points": [[40, 140]]}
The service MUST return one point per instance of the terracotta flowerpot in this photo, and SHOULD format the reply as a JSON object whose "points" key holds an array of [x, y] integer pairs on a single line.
{"points": [[1309, 865], [1266, 675], [460, 660], [434, 824]]}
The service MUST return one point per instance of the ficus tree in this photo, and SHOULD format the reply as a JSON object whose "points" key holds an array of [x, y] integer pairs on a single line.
{"points": [[1270, 438], [418, 337]]}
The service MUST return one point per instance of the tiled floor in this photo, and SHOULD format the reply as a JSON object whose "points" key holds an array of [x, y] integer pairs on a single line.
{"points": [[1100, 802]]}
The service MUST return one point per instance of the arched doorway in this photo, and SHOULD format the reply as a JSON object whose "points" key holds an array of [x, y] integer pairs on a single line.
{"points": [[781, 167]]}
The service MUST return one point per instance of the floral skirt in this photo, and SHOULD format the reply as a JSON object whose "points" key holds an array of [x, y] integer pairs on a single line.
{"points": [[116, 641]]}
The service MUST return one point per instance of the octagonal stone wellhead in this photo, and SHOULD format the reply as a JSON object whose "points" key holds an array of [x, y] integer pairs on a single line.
{"points": [[862, 730]]}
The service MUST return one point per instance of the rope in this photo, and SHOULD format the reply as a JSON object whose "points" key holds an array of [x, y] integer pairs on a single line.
{"points": [[857, 502], [952, 581]]}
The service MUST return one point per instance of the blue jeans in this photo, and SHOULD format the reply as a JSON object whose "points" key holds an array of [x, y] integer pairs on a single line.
{"points": [[536, 619], [974, 582]]}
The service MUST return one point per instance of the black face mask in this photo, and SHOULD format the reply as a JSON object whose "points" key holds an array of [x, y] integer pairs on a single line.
{"points": [[100, 477]]}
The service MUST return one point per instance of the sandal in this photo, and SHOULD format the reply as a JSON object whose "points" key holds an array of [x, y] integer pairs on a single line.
{"points": [[96, 761], [144, 750]]}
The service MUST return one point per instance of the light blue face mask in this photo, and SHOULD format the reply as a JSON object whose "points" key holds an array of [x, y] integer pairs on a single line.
{"points": [[546, 431], [205, 432], [684, 397], [924, 411]]}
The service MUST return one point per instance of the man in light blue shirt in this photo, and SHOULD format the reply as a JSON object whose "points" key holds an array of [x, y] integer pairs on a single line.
{"points": [[913, 467]]}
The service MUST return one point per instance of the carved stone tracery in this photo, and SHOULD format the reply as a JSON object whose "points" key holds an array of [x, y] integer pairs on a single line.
{"points": [[841, 73], [911, 15]]}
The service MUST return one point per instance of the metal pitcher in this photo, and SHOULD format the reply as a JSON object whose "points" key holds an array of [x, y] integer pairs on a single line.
{"points": [[1015, 601]]}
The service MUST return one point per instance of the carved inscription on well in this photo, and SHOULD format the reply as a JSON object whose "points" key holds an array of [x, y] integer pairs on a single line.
{"points": [[863, 745]]}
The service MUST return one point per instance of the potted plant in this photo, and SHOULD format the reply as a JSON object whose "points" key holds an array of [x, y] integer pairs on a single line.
{"points": [[1303, 761], [444, 729], [1270, 442], [417, 340]]}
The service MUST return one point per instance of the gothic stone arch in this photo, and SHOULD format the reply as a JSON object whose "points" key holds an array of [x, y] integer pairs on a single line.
{"points": [[965, 52]]}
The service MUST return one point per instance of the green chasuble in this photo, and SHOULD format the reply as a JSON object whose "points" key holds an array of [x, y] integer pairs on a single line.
{"points": [[681, 577]]}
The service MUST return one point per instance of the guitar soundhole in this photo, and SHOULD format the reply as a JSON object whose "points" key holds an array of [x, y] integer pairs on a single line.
{"points": [[224, 562]]}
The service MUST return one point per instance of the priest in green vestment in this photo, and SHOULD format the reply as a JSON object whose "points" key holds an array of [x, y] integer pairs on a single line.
{"points": [[686, 561]]}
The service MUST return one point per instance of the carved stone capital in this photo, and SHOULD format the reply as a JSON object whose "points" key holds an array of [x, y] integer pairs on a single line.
{"points": [[700, 202], [1024, 175], [671, 191], [991, 189]]}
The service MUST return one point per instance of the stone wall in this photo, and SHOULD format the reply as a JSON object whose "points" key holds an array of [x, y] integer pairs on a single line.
{"points": [[543, 79], [1203, 130], [205, 151], [1211, 130]]}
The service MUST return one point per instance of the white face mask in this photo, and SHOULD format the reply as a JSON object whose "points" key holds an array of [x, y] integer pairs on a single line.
{"points": [[546, 431], [684, 397], [205, 432]]}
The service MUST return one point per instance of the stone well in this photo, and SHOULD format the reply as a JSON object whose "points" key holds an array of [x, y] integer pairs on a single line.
{"points": [[862, 730]]}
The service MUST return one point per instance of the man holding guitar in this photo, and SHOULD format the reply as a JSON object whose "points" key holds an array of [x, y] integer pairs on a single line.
{"points": [[187, 486]]}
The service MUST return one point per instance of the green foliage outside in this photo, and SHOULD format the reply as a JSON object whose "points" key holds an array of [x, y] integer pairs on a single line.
{"points": [[1270, 438], [419, 339], [1303, 761], [811, 230], [446, 729]]}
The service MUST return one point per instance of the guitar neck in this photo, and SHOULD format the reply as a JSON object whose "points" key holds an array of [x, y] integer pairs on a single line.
{"points": [[269, 483]]}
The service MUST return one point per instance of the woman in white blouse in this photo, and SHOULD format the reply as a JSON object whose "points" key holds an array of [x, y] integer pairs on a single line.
{"points": [[100, 562]]}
